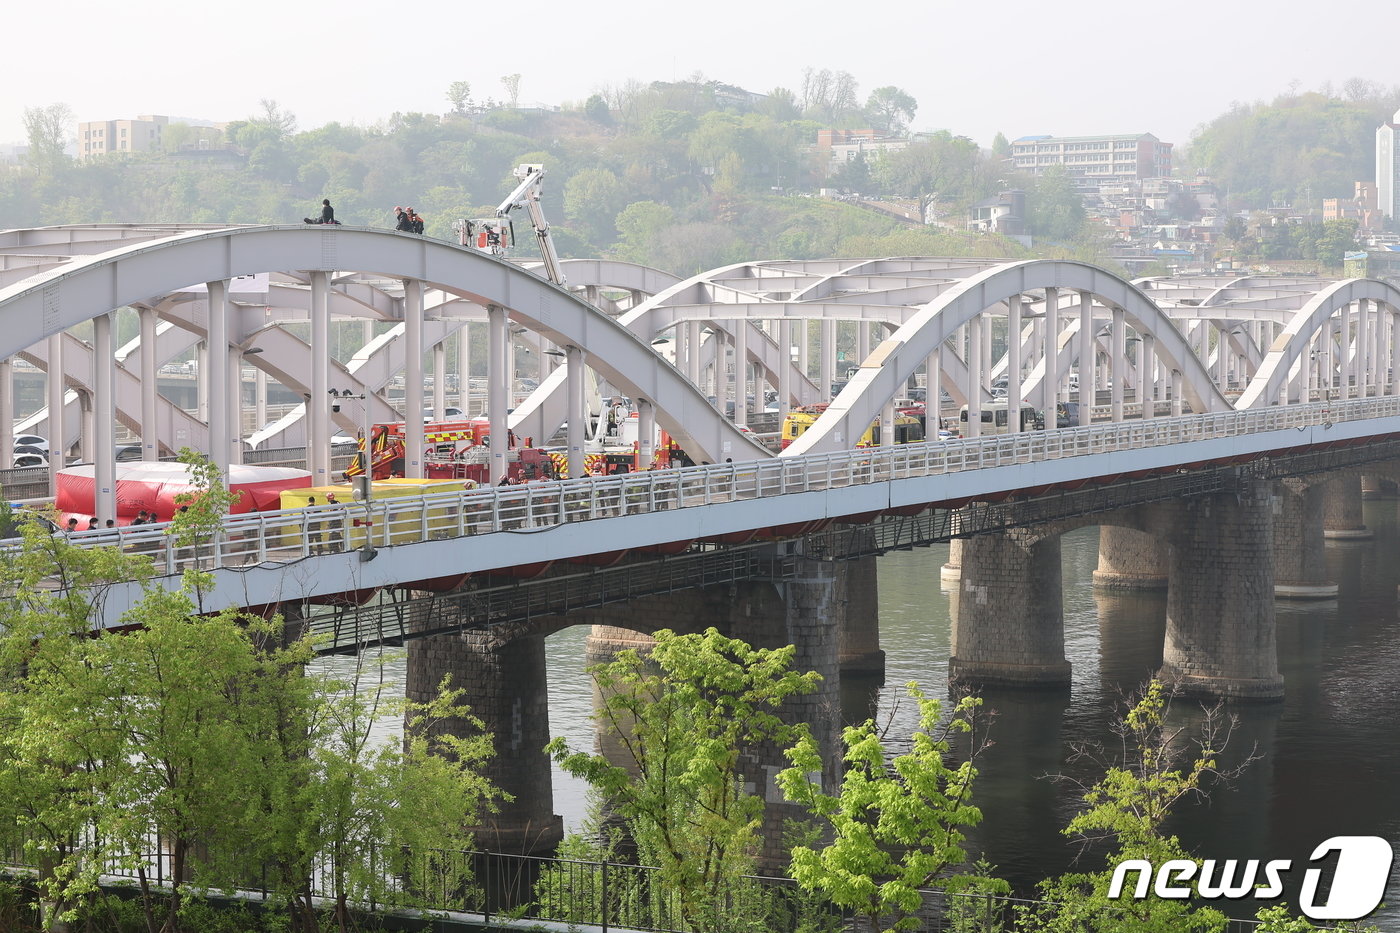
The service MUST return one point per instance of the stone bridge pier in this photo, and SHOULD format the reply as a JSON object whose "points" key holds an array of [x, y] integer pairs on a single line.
{"points": [[502, 670], [809, 609], [1217, 557], [1130, 560], [1341, 508], [1221, 639], [503, 675], [1300, 565], [1009, 627]]}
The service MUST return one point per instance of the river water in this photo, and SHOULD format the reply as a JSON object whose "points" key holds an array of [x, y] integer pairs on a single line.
{"points": [[1329, 753]]}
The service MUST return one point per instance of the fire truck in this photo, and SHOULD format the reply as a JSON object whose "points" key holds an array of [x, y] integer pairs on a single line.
{"points": [[458, 449]]}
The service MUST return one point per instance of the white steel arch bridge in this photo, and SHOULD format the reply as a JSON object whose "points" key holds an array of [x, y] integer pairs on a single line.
{"points": [[1154, 347]]}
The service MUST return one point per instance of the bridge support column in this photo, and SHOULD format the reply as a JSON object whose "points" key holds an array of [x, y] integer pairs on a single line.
{"points": [[1299, 562], [1221, 639], [1130, 560], [1008, 627], [149, 366], [505, 688], [1341, 509], [951, 572], [860, 650], [812, 612], [58, 432]]}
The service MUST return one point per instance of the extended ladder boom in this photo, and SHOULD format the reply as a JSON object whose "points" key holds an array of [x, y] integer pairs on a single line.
{"points": [[527, 195]]}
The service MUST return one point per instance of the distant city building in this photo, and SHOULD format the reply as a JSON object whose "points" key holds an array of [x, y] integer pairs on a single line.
{"points": [[838, 147], [1388, 167], [1363, 207], [1095, 158], [102, 137]]}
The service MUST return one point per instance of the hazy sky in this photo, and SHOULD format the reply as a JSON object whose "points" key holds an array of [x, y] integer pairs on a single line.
{"points": [[1020, 67]]}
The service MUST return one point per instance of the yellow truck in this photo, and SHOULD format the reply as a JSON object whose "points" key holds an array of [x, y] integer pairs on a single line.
{"points": [[333, 520]]}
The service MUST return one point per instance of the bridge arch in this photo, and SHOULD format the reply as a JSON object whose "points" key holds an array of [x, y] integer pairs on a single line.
{"points": [[92, 286], [1295, 341], [883, 375]]}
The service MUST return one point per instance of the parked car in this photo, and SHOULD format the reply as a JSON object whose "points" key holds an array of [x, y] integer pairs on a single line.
{"points": [[32, 440], [126, 453], [29, 461]]}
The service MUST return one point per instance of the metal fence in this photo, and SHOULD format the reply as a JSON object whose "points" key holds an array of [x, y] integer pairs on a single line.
{"points": [[601, 895], [294, 534]]}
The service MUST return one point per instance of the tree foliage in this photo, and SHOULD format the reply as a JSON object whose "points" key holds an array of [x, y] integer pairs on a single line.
{"points": [[897, 823], [199, 734], [1297, 149], [1154, 771], [684, 717], [889, 109], [47, 130]]}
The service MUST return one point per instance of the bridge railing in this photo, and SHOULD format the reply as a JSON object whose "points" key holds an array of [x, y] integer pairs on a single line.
{"points": [[307, 532]]}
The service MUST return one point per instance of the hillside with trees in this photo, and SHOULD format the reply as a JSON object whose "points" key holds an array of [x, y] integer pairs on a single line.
{"points": [[683, 175], [1296, 150]]}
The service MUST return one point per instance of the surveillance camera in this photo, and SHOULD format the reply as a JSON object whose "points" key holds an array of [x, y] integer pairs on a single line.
{"points": [[335, 406]]}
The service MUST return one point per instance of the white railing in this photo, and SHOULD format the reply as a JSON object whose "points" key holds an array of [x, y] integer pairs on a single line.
{"points": [[297, 533]]}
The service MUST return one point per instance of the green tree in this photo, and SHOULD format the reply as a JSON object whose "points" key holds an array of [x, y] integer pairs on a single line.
{"points": [[897, 823], [853, 175], [1055, 211], [203, 729], [459, 95], [512, 85], [1336, 238], [640, 225], [684, 717], [889, 109], [942, 166], [47, 130], [376, 812], [1128, 809], [592, 199], [596, 109]]}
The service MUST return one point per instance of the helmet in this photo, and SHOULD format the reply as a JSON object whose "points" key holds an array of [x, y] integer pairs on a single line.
{"points": [[397, 209]]}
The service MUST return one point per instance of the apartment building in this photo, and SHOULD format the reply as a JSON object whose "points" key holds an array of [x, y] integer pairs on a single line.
{"points": [[1095, 158], [1388, 167], [101, 137]]}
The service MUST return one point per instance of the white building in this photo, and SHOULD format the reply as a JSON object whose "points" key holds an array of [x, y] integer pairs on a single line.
{"points": [[1100, 158], [1388, 167]]}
